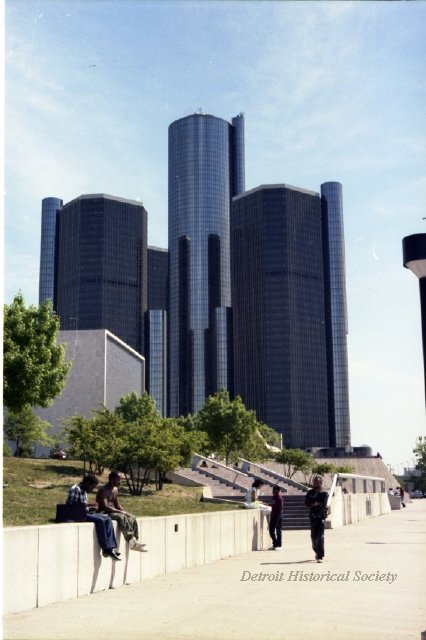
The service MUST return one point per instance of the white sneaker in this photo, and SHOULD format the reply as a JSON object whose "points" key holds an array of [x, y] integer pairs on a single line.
{"points": [[137, 546]]}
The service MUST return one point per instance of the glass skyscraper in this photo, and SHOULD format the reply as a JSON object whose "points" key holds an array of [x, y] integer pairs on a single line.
{"points": [[101, 266], [49, 212], [289, 312], [337, 317], [156, 341], [206, 169]]}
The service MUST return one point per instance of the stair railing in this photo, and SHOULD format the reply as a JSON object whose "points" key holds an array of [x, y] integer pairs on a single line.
{"points": [[278, 476]]}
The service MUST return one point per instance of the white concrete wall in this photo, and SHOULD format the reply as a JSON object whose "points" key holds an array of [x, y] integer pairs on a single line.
{"points": [[52, 563], [353, 507]]}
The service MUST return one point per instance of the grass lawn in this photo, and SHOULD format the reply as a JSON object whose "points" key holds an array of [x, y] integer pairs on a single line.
{"points": [[35, 487]]}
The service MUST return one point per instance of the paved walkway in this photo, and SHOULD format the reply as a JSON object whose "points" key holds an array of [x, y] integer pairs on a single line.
{"points": [[371, 586]]}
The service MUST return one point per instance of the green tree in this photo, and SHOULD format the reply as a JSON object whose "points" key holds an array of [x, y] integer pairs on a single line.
{"points": [[149, 444], [295, 460], [260, 446], [34, 370], [229, 425], [26, 429], [148, 447], [420, 455], [132, 408], [94, 440]]}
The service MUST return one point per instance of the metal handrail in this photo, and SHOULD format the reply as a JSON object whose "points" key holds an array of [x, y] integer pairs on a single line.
{"points": [[347, 476], [293, 483], [219, 464]]}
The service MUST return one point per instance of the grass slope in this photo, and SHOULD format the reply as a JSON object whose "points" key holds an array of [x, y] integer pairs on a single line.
{"points": [[35, 487]]}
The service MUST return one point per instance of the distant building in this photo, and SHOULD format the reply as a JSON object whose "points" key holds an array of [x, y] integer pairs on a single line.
{"points": [[156, 341], [101, 266], [206, 168], [49, 212], [336, 314], [284, 314], [104, 369], [158, 278]]}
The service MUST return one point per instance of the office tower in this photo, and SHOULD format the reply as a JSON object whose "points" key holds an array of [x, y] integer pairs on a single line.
{"points": [[158, 278], [336, 314], [156, 340], [49, 209], [101, 266], [279, 313], [206, 169]]}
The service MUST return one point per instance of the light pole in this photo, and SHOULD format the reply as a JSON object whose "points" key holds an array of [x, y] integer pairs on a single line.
{"points": [[414, 256]]}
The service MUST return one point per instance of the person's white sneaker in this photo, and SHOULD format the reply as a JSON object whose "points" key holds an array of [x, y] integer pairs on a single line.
{"points": [[137, 546]]}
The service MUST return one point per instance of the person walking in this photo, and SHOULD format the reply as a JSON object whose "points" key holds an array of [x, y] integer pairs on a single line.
{"points": [[402, 496], [316, 501], [104, 528], [107, 499], [276, 519]]}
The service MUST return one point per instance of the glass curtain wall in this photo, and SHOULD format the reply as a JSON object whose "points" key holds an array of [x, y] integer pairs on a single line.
{"points": [[206, 156]]}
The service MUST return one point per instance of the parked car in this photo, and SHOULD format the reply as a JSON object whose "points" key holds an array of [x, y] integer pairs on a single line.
{"points": [[416, 494], [58, 454]]}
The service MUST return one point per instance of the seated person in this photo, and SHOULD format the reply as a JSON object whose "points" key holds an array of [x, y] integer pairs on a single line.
{"points": [[107, 499], [104, 529], [252, 501]]}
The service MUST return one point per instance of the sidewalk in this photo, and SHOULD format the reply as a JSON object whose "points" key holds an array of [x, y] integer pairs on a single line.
{"points": [[371, 586]]}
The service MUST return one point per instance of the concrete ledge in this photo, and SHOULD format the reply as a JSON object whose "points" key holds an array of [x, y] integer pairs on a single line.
{"points": [[53, 563], [350, 508]]}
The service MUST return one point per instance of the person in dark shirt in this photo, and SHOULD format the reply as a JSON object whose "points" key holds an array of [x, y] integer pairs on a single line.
{"points": [[103, 524], [276, 519], [316, 500]]}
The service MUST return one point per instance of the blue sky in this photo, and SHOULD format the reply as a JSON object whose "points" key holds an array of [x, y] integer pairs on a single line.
{"points": [[330, 91]]}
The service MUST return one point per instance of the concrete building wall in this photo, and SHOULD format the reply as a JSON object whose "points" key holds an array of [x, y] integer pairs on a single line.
{"points": [[103, 369]]}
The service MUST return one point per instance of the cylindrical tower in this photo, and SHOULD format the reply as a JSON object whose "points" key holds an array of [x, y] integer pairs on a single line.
{"points": [[49, 209], [414, 256], [336, 314], [205, 154]]}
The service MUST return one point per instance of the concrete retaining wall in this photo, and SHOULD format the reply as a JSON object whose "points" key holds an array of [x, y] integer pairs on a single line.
{"points": [[52, 563], [353, 507]]}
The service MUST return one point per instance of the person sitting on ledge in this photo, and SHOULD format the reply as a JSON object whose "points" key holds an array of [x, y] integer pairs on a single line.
{"points": [[107, 499], [104, 529]]}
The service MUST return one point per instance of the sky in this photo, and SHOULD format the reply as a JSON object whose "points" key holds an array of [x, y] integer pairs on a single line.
{"points": [[331, 91]]}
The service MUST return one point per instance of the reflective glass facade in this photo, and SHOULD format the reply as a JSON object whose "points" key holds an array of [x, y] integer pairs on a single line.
{"points": [[157, 360], [206, 168], [337, 325], [101, 270], [156, 351], [280, 342], [158, 278], [49, 209]]}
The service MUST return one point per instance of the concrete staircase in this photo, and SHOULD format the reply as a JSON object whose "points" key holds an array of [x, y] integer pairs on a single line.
{"points": [[227, 483], [220, 487]]}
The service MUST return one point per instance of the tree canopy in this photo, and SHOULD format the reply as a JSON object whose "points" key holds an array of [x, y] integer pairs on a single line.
{"points": [[230, 427], [295, 460], [420, 455], [26, 429], [34, 369]]}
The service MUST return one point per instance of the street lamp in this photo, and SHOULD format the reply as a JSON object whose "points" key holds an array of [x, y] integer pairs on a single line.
{"points": [[414, 256]]}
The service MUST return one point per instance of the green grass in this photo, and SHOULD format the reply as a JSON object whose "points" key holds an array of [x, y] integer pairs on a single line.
{"points": [[35, 487]]}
